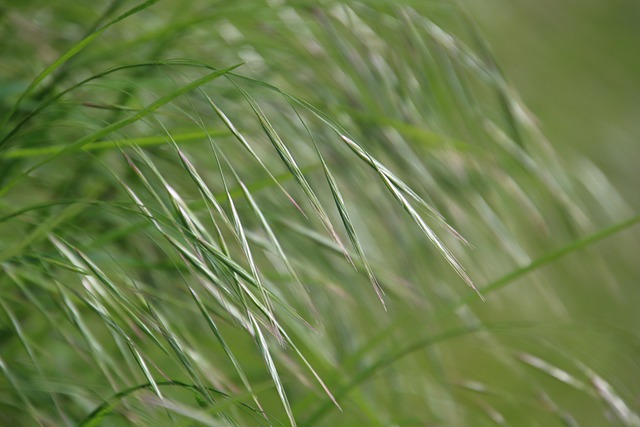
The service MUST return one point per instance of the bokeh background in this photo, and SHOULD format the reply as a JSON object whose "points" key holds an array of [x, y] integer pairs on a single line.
{"points": [[516, 121], [574, 63]]}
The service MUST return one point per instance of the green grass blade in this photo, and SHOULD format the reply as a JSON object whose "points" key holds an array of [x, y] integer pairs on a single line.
{"points": [[149, 141], [74, 50], [107, 130], [554, 256], [292, 166], [273, 372], [382, 362]]}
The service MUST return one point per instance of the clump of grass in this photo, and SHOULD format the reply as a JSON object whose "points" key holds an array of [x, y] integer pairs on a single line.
{"points": [[296, 225]]}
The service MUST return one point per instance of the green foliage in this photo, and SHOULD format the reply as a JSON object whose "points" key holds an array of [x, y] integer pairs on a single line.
{"points": [[294, 212]]}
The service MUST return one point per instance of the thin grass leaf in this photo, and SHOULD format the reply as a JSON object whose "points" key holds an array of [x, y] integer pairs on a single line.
{"points": [[272, 237], [226, 348], [553, 371], [205, 192], [13, 381], [617, 405], [248, 254], [201, 417], [24, 340], [382, 362], [74, 50], [96, 349], [97, 415], [218, 256], [419, 221], [107, 130], [105, 145], [553, 256], [172, 270], [292, 166], [279, 332], [120, 307], [353, 237], [42, 230], [234, 267], [50, 101], [344, 215], [248, 147], [376, 165], [273, 372]]}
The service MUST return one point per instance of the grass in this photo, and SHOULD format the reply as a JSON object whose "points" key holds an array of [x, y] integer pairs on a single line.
{"points": [[286, 213]]}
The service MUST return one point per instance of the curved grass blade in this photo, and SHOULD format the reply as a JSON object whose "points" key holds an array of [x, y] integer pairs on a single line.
{"points": [[290, 163], [96, 416], [41, 231], [235, 268], [397, 187], [240, 232], [236, 133], [272, 237], [44, 104], [75, 49], [120, 123], [223, 343], [148, 141], [348, 224], [552, 257], [14, 383], [210, 252], [382, 362], [266, 354]]}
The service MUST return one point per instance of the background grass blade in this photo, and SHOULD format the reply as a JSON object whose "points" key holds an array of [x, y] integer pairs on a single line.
{"points": [[187, 242]]}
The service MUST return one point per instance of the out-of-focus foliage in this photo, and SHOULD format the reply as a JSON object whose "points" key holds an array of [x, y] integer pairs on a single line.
{"points": [[295, 212], [574, 64]]}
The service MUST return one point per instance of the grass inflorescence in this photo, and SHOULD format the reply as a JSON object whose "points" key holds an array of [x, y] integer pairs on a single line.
{"points": [[290, 213]]}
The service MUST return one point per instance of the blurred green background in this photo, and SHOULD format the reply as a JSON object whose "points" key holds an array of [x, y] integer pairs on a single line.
{"points": [[575, 63], [517, 121], [577, 68]]}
